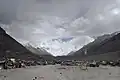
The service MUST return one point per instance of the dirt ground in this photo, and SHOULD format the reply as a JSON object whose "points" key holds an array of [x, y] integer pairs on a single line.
{"points": [[57, 72]]}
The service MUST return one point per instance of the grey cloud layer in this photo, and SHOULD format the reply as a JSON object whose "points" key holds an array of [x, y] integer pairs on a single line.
{"points": [[39, 20]]}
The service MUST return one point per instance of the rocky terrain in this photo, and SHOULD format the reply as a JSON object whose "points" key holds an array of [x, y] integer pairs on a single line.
{"points": [[10, 48], [103, 47]]}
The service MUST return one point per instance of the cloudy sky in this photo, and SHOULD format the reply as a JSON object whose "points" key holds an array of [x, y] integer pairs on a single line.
{"points": [[59, 26]]}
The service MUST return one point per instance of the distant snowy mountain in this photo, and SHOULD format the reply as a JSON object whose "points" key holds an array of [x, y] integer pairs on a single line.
{"points": [[60, 46], [39, 51]]}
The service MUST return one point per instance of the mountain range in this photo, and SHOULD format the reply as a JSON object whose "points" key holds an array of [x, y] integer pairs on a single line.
{"points": [[38, 51], [10, 48], [106, 47]]}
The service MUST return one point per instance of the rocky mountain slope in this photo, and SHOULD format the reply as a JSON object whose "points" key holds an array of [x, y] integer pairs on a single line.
{"points": [[104, 46], [9, 47]]}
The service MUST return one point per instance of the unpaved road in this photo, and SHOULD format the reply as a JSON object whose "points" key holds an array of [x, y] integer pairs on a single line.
{"points": [[57, 72]]}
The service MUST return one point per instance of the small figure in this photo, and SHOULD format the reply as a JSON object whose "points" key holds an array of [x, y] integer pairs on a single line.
{"points": [[35, 78], [110, 73], [4, 77], [61, 73]]}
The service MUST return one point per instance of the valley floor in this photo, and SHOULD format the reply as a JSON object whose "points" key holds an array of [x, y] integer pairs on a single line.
{"points": [[57, 72]]}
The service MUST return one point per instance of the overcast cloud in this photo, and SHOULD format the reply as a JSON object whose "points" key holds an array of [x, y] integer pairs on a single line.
{"points": [[59, 26]]}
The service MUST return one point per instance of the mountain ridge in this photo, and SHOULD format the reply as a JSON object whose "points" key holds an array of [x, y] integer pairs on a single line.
{"points": [[39, 51], [10, 48], [106, 44]]}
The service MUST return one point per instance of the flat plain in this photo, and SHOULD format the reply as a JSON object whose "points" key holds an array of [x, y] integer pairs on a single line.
{"points": [[57, 72]]}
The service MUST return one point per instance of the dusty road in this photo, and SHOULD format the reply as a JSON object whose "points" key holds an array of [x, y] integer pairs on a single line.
{"points": [[58, 72]]}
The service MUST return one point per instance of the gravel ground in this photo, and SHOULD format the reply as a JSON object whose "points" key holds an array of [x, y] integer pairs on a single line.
{"points": [[57, 72]]}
